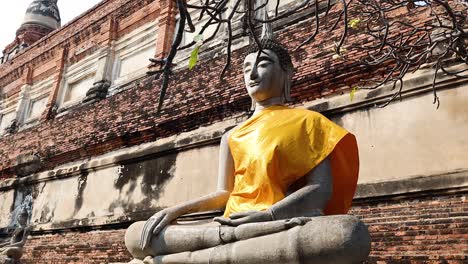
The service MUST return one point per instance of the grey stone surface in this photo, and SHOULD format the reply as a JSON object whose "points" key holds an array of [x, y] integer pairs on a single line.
{"points": [[324, 239], [12, 251], [423, 183]]}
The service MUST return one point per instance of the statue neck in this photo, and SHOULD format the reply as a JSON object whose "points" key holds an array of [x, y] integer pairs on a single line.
{"points": [[259, 106]]}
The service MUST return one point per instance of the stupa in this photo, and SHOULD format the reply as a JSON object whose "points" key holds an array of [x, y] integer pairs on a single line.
{"points": [[41, 18]]}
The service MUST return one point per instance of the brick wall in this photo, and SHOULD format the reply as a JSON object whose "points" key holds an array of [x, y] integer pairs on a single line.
{"points": [[426, 229], [76, 247], [429, 229], [130, 117]]}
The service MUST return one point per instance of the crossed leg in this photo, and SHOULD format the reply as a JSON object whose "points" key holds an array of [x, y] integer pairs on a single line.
{"points": [[195, 237], [324, 239]]}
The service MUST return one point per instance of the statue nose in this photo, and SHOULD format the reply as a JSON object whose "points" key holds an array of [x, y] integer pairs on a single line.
{"points": [[254, 73]]}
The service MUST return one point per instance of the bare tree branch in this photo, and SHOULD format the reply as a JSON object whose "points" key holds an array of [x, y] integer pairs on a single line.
{"points": [[395, 42]]}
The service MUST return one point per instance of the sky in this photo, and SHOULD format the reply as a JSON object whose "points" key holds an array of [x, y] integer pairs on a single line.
{"points": [[13, 13]]}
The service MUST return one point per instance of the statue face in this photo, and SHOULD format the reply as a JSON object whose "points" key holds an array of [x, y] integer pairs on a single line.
{"points": [[264, 79], [22, 220]]}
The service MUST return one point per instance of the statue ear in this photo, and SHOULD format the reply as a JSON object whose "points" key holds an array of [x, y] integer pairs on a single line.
{"points": [[287, 86], [252, 106], [287, 91]]}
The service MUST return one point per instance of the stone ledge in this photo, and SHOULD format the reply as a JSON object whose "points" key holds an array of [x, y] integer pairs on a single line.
{"points": [[453, 181], [417, 83]]}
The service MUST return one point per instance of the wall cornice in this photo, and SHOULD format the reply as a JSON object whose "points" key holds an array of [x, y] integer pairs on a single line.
{"points": [[416, 84]]}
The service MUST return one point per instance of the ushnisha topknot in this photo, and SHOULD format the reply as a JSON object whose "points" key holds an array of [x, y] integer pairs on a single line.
{"points": [[278, 49], [268, 41]]}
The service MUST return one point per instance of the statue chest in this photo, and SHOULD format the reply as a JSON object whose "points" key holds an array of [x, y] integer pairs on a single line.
{"points": [[271, 152]]}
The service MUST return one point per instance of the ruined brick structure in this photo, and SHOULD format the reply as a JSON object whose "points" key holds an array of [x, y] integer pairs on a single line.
{"points": [[90, 150]]}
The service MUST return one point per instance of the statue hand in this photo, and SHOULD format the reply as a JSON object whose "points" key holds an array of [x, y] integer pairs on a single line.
{"points": [[156, 224], [148, 260], [245, 217]]}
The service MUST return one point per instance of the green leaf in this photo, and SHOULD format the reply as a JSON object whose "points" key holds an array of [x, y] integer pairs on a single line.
{"points": [[353, 92], [193, 57], [198, 38], [354, 23]]}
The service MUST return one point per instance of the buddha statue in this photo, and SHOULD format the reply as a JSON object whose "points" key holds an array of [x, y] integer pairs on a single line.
{"points": [[12, 251], [286, 179]]}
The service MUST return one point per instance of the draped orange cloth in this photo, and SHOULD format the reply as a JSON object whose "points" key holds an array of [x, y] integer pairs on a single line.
{"points": [[279, 145]]}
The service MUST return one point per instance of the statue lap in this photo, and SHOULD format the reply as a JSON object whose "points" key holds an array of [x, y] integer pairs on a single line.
{"points": [[10, 255], [323, 239]]}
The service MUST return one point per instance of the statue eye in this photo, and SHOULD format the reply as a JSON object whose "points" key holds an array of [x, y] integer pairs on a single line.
{"points": [[264, 64]]}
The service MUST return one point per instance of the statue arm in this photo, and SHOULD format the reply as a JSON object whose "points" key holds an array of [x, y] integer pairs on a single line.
{"points": [[216, 200], [13, 237], [4, 244], [22, 242], [309, 200]]}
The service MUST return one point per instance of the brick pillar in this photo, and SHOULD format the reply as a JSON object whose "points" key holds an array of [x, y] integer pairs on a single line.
{"points": [[102, 81], [167, 26], [26, 82], [27, 77], [51, 106]]}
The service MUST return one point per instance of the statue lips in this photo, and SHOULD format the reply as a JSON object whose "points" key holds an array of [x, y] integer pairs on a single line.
{"points": [[254, 84], [256, 88]]}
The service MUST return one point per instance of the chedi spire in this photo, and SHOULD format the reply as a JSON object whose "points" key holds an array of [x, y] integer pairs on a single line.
{"points": [[44, 13], [41, 18], [267, 30]]}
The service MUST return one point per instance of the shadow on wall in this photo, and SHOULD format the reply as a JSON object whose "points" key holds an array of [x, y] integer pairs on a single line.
{"points": [[155, 174], [133, 187]]}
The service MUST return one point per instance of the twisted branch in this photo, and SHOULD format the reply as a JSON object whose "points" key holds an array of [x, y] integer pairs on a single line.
{"points": [[395, 42]]}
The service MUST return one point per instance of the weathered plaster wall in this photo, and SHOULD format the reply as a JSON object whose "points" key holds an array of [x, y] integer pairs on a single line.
{"points": [[121, 186], [412, 137], [115, 192], [7, 200]]}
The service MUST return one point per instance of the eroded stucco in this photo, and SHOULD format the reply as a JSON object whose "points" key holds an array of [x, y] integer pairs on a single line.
{"points": [[6, 200], [412, 137], [111, 193]]}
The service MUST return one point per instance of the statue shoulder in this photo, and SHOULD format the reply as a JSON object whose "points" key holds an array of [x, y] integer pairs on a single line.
{"points": [[227, 134], [303, 112], [312, 119], [27, 229]]}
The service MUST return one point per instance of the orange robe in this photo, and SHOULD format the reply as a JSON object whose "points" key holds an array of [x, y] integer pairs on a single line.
{"points": [[279, 145]]}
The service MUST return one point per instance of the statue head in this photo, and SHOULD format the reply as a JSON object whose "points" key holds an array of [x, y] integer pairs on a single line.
{"points": [[22, 217], [268, 74]]}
